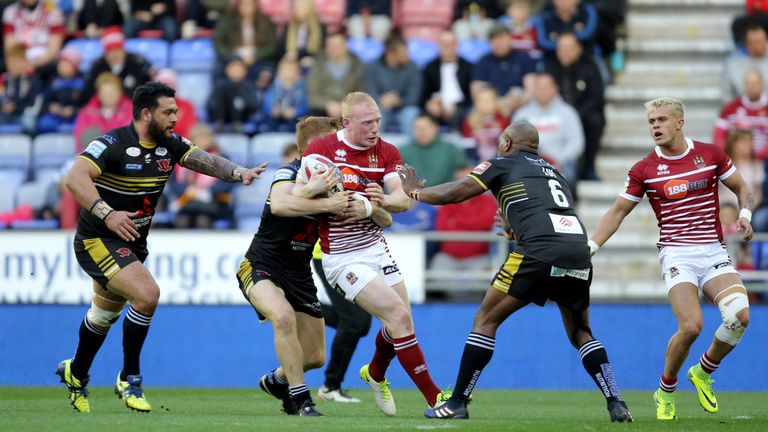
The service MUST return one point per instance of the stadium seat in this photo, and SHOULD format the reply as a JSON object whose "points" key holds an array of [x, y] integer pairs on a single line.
{"points": [[234, 146], [35, 224], [11, 129], [396, 139], [15, 154], [430, 33], [278, 10], [194, 55], [249, 202], [472, 50], [33, 194], [331, 13], [268, 147], [422, 51], [426, 12], [50, 152], [7, 198], [90, 50], [154, 50], [366, 49], [194, 87]]}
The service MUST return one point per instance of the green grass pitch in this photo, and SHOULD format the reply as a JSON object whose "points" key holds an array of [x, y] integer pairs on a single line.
{"points": [[47, 409]]}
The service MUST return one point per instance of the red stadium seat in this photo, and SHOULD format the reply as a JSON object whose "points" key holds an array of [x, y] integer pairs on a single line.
{"points": [[278, 10], [331, 13], [430, 33], [151, 34], [426, 12]]}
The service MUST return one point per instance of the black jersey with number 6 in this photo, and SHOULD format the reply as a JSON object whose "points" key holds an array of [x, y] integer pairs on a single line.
{"points": [[132, 175], [536, 200]]}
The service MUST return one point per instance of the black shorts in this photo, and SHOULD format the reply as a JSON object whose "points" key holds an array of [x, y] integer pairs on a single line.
{"points": [[103, 257], [300, 292], [530, 279]]}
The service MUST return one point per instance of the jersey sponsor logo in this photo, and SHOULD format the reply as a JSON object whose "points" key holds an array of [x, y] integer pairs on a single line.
{"points": [[373, 160], [340, 155], [147, 158], [123, 252], [95, 148], [134, 167], [565, 224], [699, 162], [562, 272], [132, 151], [536, 161], [351, 278], [349, 178], [161, 151], [283, 174], [109, 138], [723, 264], [481, 167], [390, 269], [662, 169], [676, 188], [164, 165], [261, 273], [549, 172]]}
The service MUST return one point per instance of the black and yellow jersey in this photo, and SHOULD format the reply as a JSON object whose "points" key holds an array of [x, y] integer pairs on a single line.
{"points": [[535, 199], [132, 175], [284, 242]]}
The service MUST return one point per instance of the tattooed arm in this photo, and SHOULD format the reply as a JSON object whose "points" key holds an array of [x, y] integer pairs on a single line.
{"points": [[216, 166]]}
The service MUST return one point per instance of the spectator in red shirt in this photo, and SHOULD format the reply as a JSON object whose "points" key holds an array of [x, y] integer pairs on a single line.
{"points": [[485, 122], [749, 111], [475, 214], [36, 25]]}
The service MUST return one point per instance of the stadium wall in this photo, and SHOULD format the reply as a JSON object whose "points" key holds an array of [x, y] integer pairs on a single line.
{"points": [[224, 346]]}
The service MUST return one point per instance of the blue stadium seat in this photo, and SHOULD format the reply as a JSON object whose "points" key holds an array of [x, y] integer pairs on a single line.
{"points": [[249, 202], [422, 51], [268, 147], [32, 193], [194, 87], [154, 50], [366, 49], [7, 197], [193, 55], [234, 146], [90, 50], [50, 152], [15, 154], [35, 224], [473, 50]]}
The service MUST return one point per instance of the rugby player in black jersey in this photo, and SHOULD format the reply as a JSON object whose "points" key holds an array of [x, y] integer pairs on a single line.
{"points": [[275, 276], [551, 261], [117, 180]]}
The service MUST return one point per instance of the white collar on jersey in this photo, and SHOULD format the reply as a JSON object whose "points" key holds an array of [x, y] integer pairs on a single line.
{"points": [[341, 137], [680, 156]]}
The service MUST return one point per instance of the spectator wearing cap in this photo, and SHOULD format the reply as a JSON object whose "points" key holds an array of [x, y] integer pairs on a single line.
{"points": [[187, 115], [508, 71], [133, 70], [36, 25], [64, 94], [153, 15]]}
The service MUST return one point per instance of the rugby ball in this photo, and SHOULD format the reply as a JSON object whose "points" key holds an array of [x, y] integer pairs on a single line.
{"points": [[314, 163]]}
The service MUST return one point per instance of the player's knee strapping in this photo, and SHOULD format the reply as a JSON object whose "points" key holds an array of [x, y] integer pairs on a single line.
{"points": [[100, 319], [732, 329]]}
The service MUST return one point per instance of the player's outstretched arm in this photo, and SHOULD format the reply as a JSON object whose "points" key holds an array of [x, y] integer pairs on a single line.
{"points": [[284, 203], [79, 181], [610, 222], [736, 183], [446, 193], [222, 168]]}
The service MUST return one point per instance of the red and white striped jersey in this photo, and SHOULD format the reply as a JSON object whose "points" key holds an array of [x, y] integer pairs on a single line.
{"points": [[359, 166], [741, 113], [683, 192]]}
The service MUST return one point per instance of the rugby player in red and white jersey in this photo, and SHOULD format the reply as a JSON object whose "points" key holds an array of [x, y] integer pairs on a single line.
{"points": [[680, 179], [356, 259]]}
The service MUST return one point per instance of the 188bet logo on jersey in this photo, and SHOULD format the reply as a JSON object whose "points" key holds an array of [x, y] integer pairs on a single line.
{"points": [[677, 189]]}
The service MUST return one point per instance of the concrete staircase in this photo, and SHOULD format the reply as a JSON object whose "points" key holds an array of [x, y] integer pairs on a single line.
{"points": [[674, 48]]}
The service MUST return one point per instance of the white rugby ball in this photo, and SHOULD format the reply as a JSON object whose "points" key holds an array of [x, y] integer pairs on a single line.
{"points": [[314, 163]]}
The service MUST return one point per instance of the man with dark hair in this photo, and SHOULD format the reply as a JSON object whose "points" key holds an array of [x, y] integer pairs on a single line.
{"points": [[117, 181], [551, 261]]}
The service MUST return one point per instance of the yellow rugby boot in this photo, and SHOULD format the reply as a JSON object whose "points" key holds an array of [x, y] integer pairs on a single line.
{"points": [[131, 392], [665, 405], [701, 380], [78, 393]]}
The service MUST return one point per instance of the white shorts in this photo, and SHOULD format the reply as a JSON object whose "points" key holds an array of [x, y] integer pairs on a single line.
{"points": [[697, 264], [350, 272]]}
